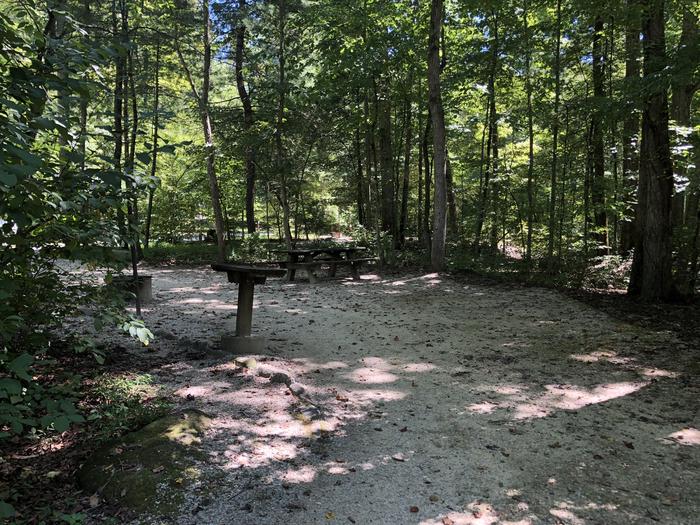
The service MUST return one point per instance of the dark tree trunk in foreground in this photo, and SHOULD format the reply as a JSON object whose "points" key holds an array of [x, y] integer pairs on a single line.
{"points": [[437, 252], [651, 267], [247, 125]]}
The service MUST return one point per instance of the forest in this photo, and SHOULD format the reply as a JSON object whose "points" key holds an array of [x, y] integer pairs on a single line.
{"points": [[517, 179]]}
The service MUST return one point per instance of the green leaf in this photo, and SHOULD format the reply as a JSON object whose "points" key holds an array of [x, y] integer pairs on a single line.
{"points": [[20, 365], [11, 386], [8, 179], [144, 157], [6, 510], [61, 424]]}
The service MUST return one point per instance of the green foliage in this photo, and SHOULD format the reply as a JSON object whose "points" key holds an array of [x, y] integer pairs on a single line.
{"points": [[252, 249], [123, 403], [57, 209], [190, 254]]}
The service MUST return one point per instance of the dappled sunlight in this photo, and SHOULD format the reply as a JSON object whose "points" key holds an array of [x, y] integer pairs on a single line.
{"points": [[476, 513], [687, 436], [307, 365], [485, 407], [418, 367], [305, 474], [627, 363], [371, 396], [525, 404], [565, 511], [371, 376], [571, 397]]}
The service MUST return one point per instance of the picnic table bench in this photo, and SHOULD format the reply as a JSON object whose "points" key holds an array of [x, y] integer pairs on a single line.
{"points": [[246, 276], [308, 259]]}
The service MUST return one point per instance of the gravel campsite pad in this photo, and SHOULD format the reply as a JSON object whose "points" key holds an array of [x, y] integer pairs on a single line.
{"points": [[425, 399]]}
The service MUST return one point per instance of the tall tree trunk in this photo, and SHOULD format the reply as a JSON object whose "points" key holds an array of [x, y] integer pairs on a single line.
{"points": [[386, 165], [555, 138], [530, 132], [630, 126], [598, 175], [118, 111], [367, 127], [361, 218], [651, 266], [406, 169], [428, 182], [686, 202], [281, 161], [154, 151], [491, 142], [247, 124], [419, 225], [451, 202], [437, 252]]}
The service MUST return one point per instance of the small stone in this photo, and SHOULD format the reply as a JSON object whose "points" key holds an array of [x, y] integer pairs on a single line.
{"points": [[297, 389], [280, 377]]}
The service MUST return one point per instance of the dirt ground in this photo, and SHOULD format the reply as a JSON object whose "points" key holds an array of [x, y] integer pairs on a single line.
{"points": [[426, 399]]}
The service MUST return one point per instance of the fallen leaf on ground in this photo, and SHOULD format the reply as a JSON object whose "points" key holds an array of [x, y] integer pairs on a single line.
{"points": [[414, 509]]}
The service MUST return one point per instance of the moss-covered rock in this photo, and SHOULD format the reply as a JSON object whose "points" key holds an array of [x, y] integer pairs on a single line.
{"points": [[150, 470]]}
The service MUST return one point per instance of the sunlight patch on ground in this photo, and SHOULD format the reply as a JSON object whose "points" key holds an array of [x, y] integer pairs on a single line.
{"points": [[571, 397], [476, 513], [372, 376], [627, 363], [528, 405], [687, 436]]}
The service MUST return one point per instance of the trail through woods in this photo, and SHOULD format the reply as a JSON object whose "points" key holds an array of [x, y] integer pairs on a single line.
{"points": [[428, 400]]}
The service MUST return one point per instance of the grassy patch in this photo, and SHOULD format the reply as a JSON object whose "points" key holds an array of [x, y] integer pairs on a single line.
{"points": [[119, 404]]}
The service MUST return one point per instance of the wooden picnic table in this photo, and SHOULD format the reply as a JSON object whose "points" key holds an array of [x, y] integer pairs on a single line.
{"points": [[246, 276], [307, 259]]}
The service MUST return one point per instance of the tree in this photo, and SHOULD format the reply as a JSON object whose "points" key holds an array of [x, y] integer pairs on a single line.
{"points": [[437, 252], [651, 267], [202, 99]]}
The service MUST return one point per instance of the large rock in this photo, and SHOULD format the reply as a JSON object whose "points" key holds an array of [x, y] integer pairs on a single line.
{"points": [[150, 470]]}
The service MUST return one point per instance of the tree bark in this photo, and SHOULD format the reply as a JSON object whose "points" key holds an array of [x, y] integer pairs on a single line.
{"points": [[248, 118], [630, 126], [386, 166], [406, 171], [555, 138], [598, 176], [437, 252], [530, 132], [491, 164], [651, 267], [154, 154], [281, 162]]}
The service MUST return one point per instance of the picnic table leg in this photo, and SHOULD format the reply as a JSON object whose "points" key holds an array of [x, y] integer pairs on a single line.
{"points": [[291, 272], [333, 268], [355, 271], [244, 314]]}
